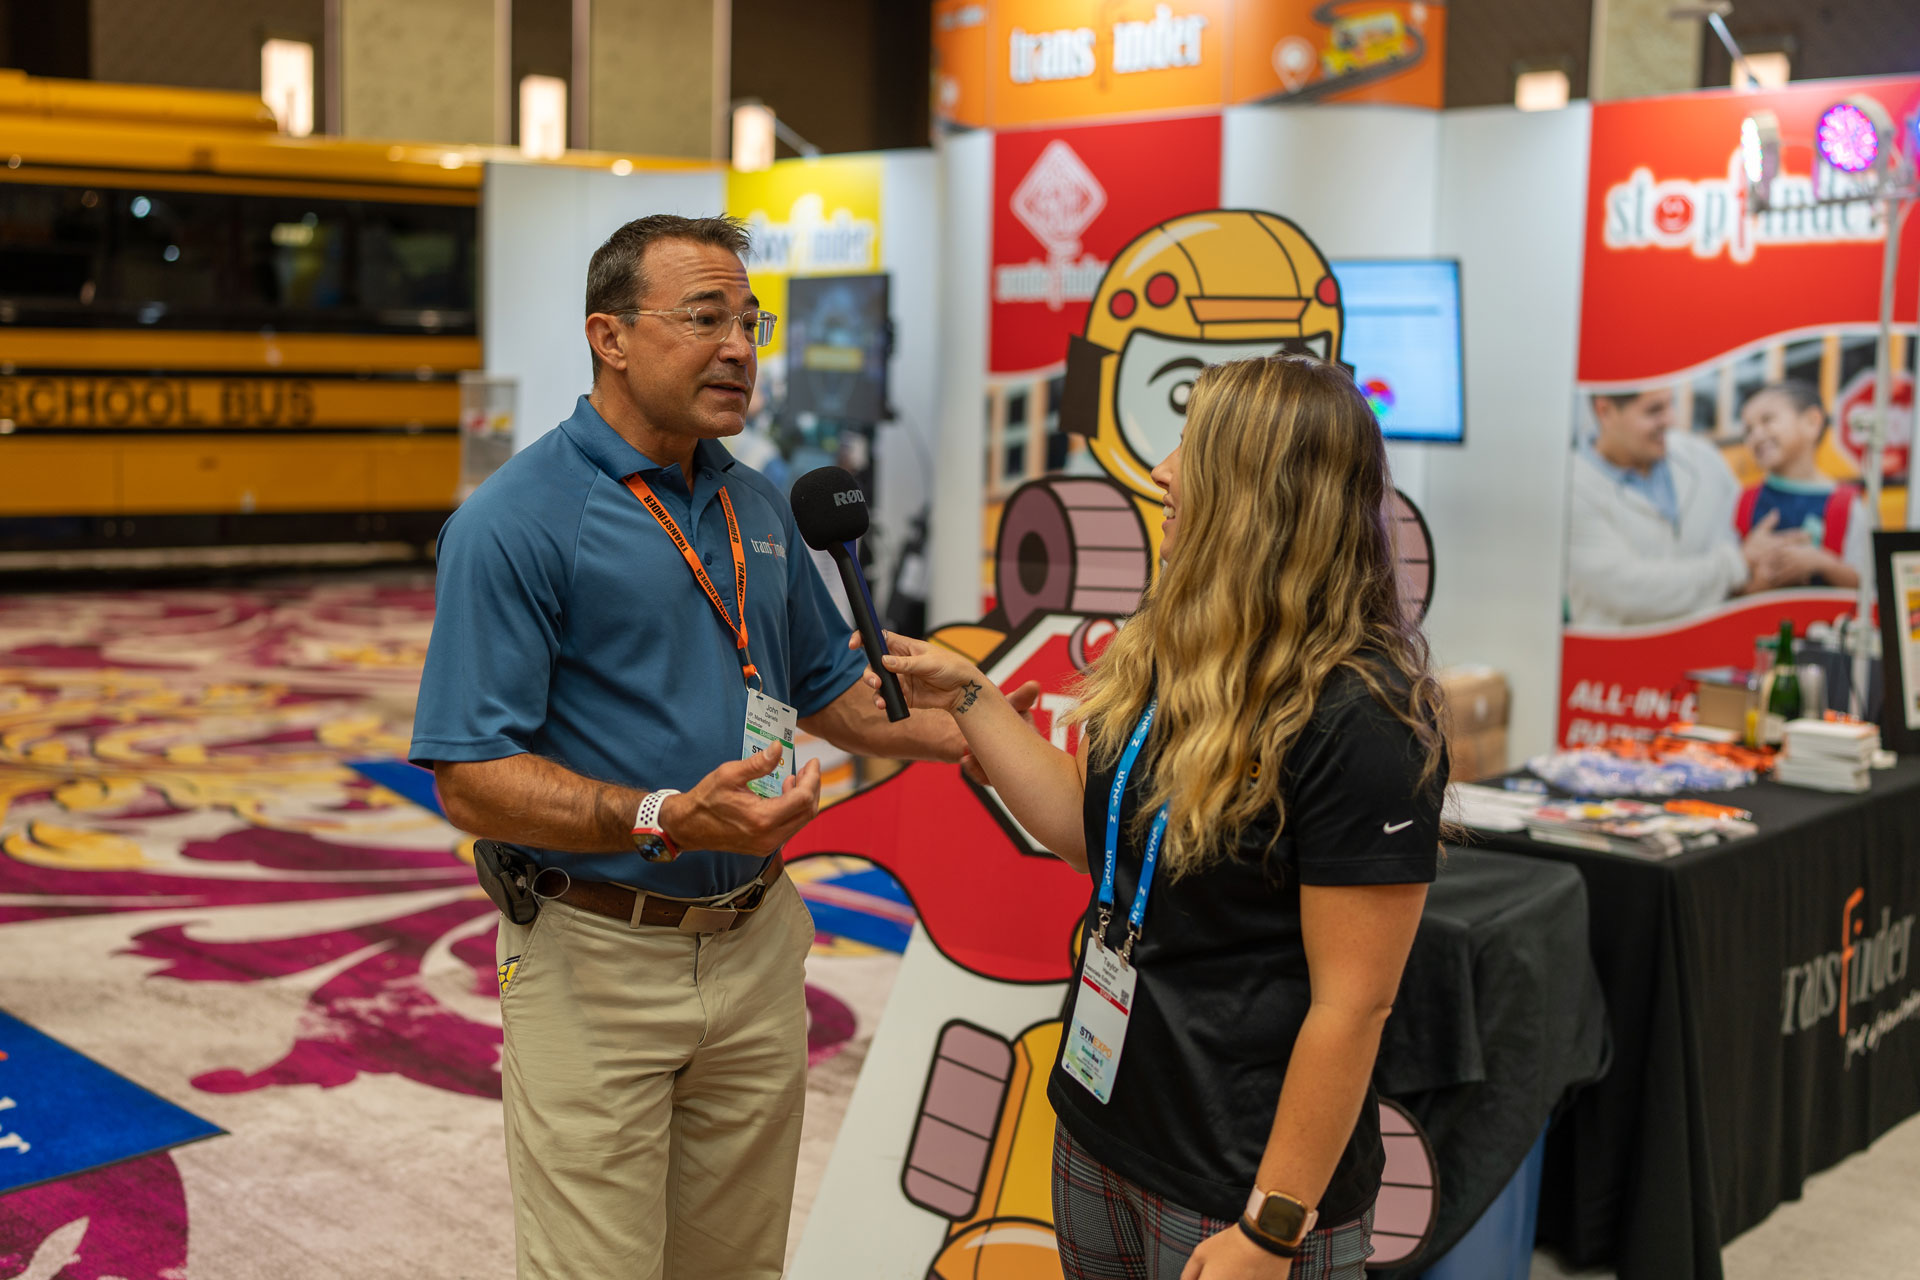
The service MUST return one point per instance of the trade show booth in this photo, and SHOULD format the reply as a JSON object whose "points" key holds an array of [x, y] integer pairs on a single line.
{"points": [[992, 333]]}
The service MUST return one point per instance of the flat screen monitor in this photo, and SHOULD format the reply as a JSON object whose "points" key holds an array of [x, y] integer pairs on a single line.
{"points": [[838, 340], [1402, 337]]}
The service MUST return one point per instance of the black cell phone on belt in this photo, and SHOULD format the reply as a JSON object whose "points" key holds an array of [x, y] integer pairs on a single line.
{"points": [[508, 880]]}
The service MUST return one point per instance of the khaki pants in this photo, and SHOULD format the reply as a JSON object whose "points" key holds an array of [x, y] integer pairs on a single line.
{"points": [[653, 1082]]}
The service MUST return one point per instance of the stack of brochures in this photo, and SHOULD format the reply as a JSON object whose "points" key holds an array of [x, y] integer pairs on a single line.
{"points": [[1827, 755], [1630, 827]]}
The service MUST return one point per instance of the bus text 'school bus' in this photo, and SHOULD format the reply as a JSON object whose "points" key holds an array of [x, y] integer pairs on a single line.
{"points": [[216, 336], [213, 335]]}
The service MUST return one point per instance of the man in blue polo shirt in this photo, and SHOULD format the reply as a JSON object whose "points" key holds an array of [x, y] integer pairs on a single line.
{"points": [[612, 608]]}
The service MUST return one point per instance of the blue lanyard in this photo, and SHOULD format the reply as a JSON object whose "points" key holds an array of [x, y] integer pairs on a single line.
{"points": [[1138, 914]]}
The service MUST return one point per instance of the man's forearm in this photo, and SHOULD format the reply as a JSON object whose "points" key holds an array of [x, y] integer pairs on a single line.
{"points": [[853, 723], [923, 735], [526, 799]]}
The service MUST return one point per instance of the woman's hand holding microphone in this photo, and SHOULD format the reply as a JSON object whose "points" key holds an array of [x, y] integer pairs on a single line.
{"points": [[1041, 784], [932, 678], [942, 680]]}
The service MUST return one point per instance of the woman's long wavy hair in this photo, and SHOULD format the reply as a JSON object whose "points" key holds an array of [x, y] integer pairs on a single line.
{"points": [[1284, 572]]}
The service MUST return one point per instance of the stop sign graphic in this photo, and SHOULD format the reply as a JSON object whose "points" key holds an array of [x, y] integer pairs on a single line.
{"points": [[1052, 649], [1852, 419]]}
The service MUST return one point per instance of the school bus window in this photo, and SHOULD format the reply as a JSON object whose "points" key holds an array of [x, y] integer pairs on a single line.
{"points": [[418, 259], [172, 253], [51, 246], [294, 256]]}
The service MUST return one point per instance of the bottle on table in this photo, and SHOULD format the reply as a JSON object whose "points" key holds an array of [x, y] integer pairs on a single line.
{"points": [[1782, 692]]}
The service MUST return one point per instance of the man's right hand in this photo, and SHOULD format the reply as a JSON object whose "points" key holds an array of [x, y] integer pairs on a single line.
{"points": [[724, 814]]}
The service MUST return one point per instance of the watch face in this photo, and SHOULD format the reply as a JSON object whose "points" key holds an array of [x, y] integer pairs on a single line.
{"points": [[652, 848], [1283, 1219]]}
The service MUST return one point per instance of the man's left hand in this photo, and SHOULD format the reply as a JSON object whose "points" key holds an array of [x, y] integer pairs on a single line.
{"points": [[1021, 700], [1229, 1255]]}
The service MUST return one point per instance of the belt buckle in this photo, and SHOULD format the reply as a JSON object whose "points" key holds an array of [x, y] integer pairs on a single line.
{"points": [[708, 919]]}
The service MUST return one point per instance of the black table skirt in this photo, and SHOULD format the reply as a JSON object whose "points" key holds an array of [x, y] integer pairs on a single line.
{"points": [[1498, 1018], [1723, 1097]]}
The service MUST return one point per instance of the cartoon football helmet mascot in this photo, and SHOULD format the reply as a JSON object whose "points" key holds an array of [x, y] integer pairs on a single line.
{"points": [[1204, 289]]}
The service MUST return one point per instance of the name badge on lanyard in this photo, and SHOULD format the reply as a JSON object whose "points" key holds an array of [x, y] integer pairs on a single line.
{"points": [[769, 720], [1104, 1001]]}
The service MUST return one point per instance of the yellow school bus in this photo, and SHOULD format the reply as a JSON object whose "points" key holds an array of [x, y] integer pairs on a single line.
{"points": [[214, 335], [1365, 40]]}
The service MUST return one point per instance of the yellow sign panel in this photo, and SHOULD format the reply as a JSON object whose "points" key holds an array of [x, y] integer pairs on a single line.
{"points": [[818, 217], [122, 402]]}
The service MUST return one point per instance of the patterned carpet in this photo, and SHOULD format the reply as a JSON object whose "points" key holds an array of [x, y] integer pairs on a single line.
{"points": [[253, 1027]]}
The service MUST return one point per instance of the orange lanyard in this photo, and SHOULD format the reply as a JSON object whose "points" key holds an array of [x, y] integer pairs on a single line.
{"points": [[652, 503]]}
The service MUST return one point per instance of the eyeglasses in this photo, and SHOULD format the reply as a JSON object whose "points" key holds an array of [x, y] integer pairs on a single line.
{"points": [[713, 324]]}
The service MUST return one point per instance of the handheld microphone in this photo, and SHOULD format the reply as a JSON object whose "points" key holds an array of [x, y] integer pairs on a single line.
{"points": [[832, 513]]}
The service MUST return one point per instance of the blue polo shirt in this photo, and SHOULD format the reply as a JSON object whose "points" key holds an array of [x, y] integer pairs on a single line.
{"points": [[567, 624]]}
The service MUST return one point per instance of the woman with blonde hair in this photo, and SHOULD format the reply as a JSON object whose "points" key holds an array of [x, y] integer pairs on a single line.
{"points": [[1257, 795]]}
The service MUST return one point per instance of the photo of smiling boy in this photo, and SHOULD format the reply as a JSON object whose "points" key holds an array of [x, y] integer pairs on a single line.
{"points": [[1784, 423]]}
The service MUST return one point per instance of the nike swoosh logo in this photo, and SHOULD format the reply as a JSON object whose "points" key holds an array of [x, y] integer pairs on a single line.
{"points": [[1391, 827]]}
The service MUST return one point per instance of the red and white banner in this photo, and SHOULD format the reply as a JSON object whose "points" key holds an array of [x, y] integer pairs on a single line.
{"points": [[1680, 273], [1725, 359], [1064, 202], [1634, 681]]}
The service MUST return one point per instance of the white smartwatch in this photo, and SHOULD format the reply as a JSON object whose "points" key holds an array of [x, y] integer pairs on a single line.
{"points": [[649, 837]]}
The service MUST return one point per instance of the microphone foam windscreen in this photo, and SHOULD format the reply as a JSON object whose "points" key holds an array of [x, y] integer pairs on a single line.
{"points": [[829, 508]]}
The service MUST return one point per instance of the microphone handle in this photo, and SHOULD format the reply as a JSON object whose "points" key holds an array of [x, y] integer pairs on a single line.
{"points": [[856, 584]]}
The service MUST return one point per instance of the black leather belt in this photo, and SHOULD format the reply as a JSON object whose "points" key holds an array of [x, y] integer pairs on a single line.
{"points": [[637, 908]]}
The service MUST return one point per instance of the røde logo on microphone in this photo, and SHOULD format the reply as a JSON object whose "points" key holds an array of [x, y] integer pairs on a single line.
{"points": [[849, 498]]}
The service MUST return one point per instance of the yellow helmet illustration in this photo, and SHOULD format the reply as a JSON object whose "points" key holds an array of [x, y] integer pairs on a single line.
{"points": [[1197, 290]]}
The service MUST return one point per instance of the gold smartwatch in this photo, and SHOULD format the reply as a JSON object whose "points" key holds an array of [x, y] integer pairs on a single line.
{"points": [[1277, 1222]]}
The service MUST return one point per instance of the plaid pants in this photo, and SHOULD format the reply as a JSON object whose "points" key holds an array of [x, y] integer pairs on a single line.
{"points": [[1109, 1228]]}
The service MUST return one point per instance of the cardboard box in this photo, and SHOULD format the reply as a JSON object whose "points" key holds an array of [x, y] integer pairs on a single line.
{"points": [[1722, 698], [1477, 756], [1476, 700]]}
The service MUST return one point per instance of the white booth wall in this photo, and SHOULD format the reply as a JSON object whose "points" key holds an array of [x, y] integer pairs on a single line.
{"points": [[1512, 207], [1501, 190], [539, 226], [905, 450], [959, 499]]}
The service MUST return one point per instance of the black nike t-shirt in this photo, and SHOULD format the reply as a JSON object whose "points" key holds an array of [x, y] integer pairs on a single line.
{"points": [[1222, 989]]}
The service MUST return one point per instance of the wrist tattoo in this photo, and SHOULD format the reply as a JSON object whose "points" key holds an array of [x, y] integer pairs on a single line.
{"points": [[968, 696]]}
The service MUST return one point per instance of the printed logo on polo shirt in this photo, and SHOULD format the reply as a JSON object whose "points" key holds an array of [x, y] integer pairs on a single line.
{"points": [[1863, 967], [768, 547]]}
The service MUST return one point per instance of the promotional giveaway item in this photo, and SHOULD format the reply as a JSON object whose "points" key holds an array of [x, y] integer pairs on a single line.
{"points": [[1105, 999]]}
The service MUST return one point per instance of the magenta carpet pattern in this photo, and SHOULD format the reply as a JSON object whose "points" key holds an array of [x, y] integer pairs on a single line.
{"points": [[198, 894]]}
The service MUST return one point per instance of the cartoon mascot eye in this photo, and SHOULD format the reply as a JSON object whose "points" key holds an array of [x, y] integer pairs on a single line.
{"points": [[1181, 393]]}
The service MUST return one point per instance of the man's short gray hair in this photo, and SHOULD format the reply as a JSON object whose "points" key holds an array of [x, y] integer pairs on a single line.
{"points": [[614, 279]]}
